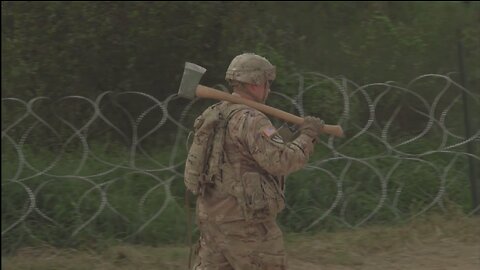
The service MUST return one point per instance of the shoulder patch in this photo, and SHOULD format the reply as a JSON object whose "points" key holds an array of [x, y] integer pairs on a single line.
{"points": [[269, 131]]}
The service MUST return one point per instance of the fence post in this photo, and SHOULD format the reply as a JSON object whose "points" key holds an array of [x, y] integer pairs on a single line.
{"points": [[474, 181]]}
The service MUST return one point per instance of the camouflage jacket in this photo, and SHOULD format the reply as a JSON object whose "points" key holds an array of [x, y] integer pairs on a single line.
{"points": [[255, 161]]}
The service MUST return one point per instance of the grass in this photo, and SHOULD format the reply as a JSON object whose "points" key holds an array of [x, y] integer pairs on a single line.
{"points": [[137, 196], [350, 247], [70, 195], [343, 248]]}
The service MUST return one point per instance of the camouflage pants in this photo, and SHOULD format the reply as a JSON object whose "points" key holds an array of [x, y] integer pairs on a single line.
{"points": [[240, 245]]}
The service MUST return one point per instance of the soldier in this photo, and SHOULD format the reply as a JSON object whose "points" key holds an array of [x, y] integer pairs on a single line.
{"points": [[236, 165]]}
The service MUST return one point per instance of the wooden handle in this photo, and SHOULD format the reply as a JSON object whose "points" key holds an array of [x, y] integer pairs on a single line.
{"points": [[334, 130], [207, 92]]}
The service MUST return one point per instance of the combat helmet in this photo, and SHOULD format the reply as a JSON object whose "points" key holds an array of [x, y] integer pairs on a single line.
{"points": [[250, 68]]}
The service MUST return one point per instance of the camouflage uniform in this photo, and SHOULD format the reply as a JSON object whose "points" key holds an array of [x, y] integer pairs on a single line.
{"points": [[239, 198], [237, 215]]}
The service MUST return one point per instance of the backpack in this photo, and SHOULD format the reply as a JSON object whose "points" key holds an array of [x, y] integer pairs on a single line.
{"points": [[205, 156]]}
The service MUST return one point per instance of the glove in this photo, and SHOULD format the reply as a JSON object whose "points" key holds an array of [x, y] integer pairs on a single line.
{"points": [[312, 127]]}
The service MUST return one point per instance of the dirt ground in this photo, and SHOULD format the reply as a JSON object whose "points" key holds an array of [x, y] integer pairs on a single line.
{"points": [[433, 243], [430, 244], [447, 254]]}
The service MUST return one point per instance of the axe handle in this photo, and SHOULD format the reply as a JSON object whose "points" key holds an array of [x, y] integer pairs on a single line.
{"points": [[207, 92]]}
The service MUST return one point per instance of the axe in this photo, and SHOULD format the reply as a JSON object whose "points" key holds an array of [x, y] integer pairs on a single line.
{"points": [[190, 88]]}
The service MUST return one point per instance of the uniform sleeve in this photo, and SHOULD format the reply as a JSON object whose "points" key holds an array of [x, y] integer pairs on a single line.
{"points": [[259, 136]]}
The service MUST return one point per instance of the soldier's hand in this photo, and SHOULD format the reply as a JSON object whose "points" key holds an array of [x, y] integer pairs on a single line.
{"points": [[312, 126]]}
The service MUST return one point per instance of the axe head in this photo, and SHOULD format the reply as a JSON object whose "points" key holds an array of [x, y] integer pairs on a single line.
{"points": [[190, 79]]}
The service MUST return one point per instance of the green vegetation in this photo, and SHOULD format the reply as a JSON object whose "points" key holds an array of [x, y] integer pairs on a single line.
{"points": [[146, 204], [56, 49]]}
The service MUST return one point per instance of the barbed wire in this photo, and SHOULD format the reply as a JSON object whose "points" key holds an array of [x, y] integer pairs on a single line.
{"points": [[376, 129]]}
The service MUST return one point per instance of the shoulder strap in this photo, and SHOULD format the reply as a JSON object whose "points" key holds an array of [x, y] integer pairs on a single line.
{"points": [[230, 109], [216, 153]]}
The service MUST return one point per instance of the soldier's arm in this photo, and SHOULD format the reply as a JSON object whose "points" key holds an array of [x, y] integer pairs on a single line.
{"points": [[269, 150]]}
